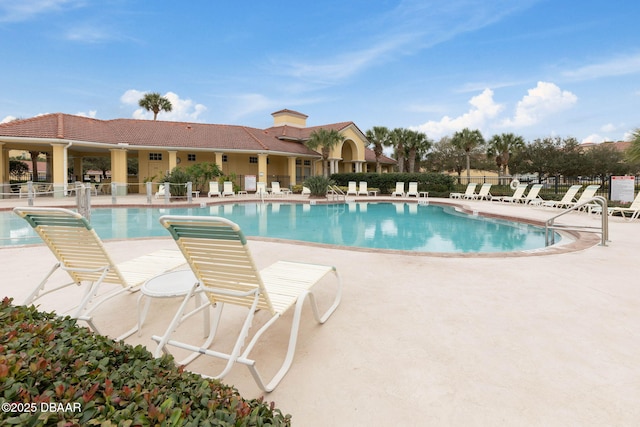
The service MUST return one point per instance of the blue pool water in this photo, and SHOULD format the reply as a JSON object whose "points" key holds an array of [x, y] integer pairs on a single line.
{"points": [[396, 226]]}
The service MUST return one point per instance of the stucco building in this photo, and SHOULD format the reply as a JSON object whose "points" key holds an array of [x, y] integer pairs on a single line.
{"points": [[275, 153]]}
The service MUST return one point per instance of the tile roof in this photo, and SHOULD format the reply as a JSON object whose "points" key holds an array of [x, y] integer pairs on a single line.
{"points": [[157, 133]]}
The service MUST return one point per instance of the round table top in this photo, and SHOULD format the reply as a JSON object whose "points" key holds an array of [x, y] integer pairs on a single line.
{"points": [[171, 284]]}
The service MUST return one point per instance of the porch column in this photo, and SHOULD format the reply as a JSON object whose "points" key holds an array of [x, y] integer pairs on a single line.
{"points": [[77, 169], [119, 170], [218, 159], [59, 172], [4, 172], [291, 167], [359, 165], [262, 167]]}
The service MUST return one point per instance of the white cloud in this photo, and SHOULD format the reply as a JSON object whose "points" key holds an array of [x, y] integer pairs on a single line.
{"points": [[8, 119], [541, 101], [595, 138], [609, 127], [91, 114], [483, 108], [618, 66], [182, 109], [18, 11]]}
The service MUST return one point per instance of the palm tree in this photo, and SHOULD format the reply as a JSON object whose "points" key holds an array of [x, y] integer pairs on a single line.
{"points": [[501, 146], [378, 137], [633, 152], [416, 145], [467, 140], [397, 138], [327, 139], [156, 103]]}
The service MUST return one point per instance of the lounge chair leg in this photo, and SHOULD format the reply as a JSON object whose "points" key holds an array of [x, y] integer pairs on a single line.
{"points": [[36, 292]]}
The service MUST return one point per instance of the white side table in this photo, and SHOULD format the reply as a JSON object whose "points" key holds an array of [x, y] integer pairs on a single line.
{"points": [[174, 284]]}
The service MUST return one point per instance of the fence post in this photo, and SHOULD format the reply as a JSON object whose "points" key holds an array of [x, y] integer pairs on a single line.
{"points": [[31, 194], [167, 192], [189, 187], [114, 191], [83, 200]]}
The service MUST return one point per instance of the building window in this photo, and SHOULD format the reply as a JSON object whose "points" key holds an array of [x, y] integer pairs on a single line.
{"points": [[253, 159], [191, 157], [224, 158], [155, 156]]}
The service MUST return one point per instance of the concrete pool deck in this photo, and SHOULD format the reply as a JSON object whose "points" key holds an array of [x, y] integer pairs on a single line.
{"points": [[426, 340]]}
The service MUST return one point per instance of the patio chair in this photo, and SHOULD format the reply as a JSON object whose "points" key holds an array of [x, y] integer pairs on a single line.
{"points": [[227, 189], [468, 193], [633, 209], [518, 194], [352, 189], [568, 198], [306, 191], [214, 189], [79, 252], [399, 189], [276, 190], [362, 189], [161, 191], [413, 189], [482, 194], [532, 196], [261, 189], [217, 252], [588, 193]]}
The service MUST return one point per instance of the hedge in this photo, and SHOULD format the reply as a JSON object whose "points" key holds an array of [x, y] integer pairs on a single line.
{"points": [[386, 182], [55, 373]]}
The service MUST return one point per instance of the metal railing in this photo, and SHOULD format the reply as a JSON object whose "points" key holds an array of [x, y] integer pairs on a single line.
{"points": [[603, 229], [336, 193]]}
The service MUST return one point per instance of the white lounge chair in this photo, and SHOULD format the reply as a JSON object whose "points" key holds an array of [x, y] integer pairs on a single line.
{"points": [[161, 191], [483, 193], [217, 252], [79, 252], [214, 189], [352, 189], [532, 196], [362, 189], [413, 190], [276, 190], [306, 191], [399, 189], [518, 194], [588, 193], [261, 189], [633, 210], [468, 193], [568, 198], [227, 189]]}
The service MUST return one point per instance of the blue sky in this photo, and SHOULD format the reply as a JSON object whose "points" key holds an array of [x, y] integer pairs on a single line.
{"points": [[537, 68]]}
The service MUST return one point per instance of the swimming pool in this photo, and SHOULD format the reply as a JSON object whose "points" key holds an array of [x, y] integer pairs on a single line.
{"points": [[391, 226]]}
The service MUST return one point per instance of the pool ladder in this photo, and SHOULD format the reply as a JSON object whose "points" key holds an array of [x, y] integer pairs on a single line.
{"points": [[336, 193], [603, 229]]}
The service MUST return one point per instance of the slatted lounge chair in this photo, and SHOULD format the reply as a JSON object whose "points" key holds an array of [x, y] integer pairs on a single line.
{"points": [[518, 194], [532, 196], [468, 193], [79, 251], [568, 198], [276, 190], [227, 189], [217, 252], [413, 190], [483, 193], [214, 189], [261, 189], [588, 193], [362, 189], [399, 189], [351, 189], [633, 210], [306, 191]]}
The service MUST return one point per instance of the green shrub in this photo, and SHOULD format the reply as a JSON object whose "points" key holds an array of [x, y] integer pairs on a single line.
{"points": [[47, 360], [386, 182], [318, 185]]}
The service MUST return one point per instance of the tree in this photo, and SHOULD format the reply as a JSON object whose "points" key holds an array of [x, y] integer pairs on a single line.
{"points": [[445, 157], [542, 157], [17, 169], [604, 160], [632, 153], [416, 145], [397, 138], [467, 140], [502, 146], [325, 140], [378, 137], [156, 103]]}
